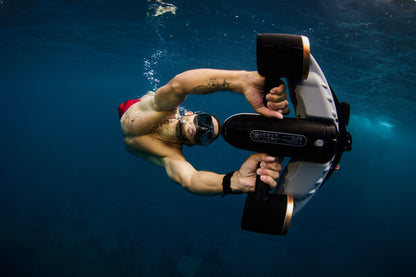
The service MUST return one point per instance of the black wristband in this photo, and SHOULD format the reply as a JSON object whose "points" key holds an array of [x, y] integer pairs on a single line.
{"points": [[226, 182]]}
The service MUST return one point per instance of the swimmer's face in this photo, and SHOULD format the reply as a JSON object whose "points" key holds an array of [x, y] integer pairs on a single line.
{"points": [[199, 128]]}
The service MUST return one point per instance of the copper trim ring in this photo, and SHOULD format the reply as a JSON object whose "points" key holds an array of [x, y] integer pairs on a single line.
{"points": [[306, 57], [289, 214]]}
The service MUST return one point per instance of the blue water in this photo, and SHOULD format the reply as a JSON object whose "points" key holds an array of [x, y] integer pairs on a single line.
{"points": [[73, 202]]}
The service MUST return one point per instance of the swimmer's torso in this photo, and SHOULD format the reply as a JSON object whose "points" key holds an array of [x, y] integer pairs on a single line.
{"points": [[147, 132]]}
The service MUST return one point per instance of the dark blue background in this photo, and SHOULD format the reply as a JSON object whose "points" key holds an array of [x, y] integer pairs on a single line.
{"points": [[73, 202]]}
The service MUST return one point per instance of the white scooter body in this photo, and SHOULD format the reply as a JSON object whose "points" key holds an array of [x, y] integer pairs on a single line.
{"points": [[314, 100]]}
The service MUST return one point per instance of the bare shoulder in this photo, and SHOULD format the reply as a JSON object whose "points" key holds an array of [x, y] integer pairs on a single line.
{"points": [[141, 118]]}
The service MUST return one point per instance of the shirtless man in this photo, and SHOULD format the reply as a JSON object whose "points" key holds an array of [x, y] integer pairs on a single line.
{"points": [[154, 130]]}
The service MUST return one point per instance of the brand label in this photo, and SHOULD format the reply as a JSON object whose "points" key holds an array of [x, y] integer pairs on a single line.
{"points": [[278, 138]]}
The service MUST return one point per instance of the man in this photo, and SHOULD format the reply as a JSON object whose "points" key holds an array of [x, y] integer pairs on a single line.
{"points": [[154, 130]]}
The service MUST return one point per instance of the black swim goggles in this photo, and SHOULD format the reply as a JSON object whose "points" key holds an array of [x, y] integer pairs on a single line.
{"points": [[205, 133]]}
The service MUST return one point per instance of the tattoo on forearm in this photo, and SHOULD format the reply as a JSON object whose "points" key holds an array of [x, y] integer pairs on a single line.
{"points": [[213, 85]]}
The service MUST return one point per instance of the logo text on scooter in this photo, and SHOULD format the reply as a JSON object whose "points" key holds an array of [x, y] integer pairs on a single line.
{"points": [[278, 138]]}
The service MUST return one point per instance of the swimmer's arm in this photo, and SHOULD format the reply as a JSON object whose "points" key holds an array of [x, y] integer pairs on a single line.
{"points": [[199, 82], [205, 81], [198, 182], [210, 183]]}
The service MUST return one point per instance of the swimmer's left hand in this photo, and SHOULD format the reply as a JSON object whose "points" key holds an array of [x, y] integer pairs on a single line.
{"points": [[245, 179]]}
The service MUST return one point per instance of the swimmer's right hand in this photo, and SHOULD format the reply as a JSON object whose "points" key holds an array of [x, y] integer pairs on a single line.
{"points": [[277, 104]]}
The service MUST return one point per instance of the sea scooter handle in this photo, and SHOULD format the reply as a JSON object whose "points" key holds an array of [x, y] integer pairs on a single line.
{"points": [[314, 141]]}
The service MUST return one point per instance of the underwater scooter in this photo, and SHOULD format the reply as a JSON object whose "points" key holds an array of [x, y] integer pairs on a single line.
{"points": [[314, 141]]}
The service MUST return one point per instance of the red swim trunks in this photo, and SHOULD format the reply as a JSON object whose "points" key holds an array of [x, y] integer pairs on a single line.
{"points": [[125, 106]]}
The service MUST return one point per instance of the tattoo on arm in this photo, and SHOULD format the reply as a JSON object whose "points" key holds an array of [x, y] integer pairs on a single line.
{"points": [[213, 85]]}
